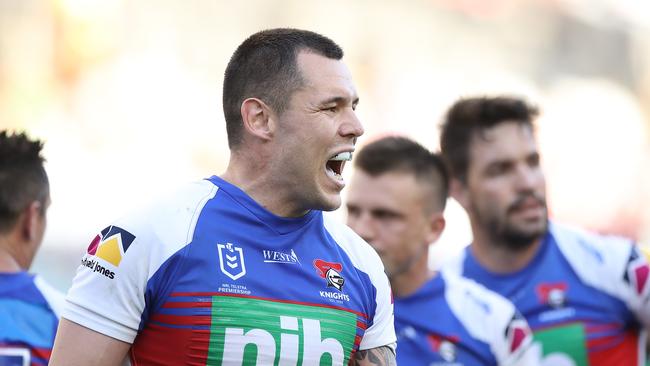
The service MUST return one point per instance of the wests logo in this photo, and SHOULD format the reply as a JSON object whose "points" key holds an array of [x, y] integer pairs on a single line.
{"points": [[272, 256]]}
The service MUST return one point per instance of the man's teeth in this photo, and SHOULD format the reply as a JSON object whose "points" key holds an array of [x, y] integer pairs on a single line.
{"points": [[334, 174], [344, 156]]}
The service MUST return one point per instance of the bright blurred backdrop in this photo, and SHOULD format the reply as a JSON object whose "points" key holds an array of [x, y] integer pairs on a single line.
{"points": [[127, 95]]}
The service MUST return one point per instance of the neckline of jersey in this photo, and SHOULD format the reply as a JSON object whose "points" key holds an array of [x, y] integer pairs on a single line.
{"points": [[429, 289], [13, 280], [282, 225]]}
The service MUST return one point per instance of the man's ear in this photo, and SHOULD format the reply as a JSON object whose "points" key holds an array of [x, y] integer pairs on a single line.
{"points": [[29, 220], [436, 226], [257, 118], [458, 190]]}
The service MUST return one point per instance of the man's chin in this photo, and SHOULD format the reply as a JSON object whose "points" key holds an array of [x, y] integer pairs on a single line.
{"points": [[330, 202], [522, 237]]}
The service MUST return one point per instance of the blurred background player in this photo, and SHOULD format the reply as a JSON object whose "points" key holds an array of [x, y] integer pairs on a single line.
{"points": [[29, 307], [586, 297], [395, 202]]}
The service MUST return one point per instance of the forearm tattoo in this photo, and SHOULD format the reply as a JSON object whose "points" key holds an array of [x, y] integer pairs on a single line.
{"points": [[380, 356]]}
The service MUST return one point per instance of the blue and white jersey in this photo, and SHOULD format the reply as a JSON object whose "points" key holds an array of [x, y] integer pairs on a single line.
{"points": [[586, 297], [454, 321], [29, 316], [208, 276]]}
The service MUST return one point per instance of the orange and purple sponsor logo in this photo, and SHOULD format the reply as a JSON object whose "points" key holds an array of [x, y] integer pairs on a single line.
{"points": [[110, 245]]}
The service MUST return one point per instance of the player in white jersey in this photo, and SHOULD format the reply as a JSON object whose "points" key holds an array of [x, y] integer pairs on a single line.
{"points": [[243, 268], [396, 201], [586, 297]]}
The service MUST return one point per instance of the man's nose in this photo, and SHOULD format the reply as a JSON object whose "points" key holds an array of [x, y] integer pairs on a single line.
{"points": [[351, 125], [527, 178]]}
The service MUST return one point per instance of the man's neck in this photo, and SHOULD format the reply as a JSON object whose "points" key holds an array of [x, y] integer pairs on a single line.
{"points": [[253, 179], [8, 262], [409, 282], [498, 258]]}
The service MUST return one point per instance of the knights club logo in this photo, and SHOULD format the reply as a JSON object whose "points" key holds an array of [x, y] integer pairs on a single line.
{"points": [[331, 272], [231, 260], [445, 347], [553, 294]]}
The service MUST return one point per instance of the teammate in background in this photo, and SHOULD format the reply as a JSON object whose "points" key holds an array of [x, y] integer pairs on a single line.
{"points": [[586, 297], [244, 268], [396, 200], [29, 307]]}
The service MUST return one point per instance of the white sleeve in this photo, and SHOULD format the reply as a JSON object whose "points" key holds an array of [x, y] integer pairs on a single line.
{"points": [[611, 264], [108, 291], [382, 331], [491, 319]]}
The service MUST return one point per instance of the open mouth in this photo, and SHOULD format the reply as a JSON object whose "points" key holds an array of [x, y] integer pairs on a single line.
{"points": [[335, 164]]}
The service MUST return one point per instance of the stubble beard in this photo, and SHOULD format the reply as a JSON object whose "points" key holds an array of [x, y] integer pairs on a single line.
{"points": [[505, 234], [326, 202], [517, 239], [322, 201]]}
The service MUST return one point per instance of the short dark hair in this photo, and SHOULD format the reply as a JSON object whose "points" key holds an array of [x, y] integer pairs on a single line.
{"points": [[265, 66], [401, 154], [471, 116], [22, 176]]}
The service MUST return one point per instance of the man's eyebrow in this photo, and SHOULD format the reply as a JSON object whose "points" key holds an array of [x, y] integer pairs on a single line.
{"points": [[340, 100], [498, 162]]}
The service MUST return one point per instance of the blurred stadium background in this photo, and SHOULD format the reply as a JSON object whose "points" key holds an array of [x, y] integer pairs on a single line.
{"points": [[127, 94]]}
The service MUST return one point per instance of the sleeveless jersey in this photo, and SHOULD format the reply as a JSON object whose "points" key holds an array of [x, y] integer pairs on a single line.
{"points": [[209, 277], [585, 296], [29, 310]]}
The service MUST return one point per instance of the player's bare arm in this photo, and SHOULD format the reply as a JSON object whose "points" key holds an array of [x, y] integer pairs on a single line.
{"points": [[380, 356], [76, 345]]}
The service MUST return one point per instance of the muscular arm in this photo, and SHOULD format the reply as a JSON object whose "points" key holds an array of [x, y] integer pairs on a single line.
{"points": [[380, 356], [76, 345]]}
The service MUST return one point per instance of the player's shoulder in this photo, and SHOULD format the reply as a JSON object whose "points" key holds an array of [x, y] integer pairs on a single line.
{"points": [[487, 316], [155, 229], [606, 263], [170, 214], [475, 299], [168, 207], [583, 246], [362, 255]]}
